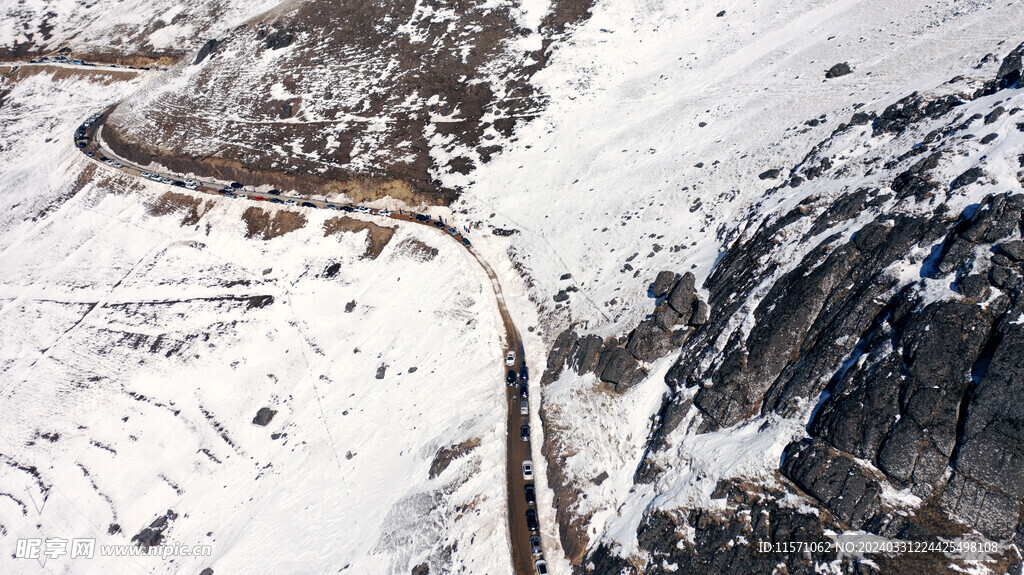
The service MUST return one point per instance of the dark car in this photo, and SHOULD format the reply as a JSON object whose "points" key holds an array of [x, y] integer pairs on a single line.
{"points": [[226, 190], [531, 519], [531, 494], [465, 242], [422, 218], [453, 231], [274, 192], [524, 391], [82, 143], [308, 205], [510, 377], [524, 433], [535, 544], [276, 200], [524, 375], [236, 185], [178, 183], [439, 224], [347, 208]]}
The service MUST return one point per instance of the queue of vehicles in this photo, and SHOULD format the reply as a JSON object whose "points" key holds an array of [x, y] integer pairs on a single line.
{"points": [[521, 380]]}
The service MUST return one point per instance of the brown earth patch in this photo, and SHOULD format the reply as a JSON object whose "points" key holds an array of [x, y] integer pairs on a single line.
{"points": [[444, 456], [171, 202], [16, 73], [379, 236], [417, 250], [266, 226]]}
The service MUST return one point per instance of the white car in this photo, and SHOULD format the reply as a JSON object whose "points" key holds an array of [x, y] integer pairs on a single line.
{"points": [[541, 566], [166, 180], [118, 165], [291, 202], [524, 407], [190, 185], [528, 470], [146, 174], [510, 359], [385, 212]]}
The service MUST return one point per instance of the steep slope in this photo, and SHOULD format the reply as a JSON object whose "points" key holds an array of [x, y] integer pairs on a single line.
{"points": [[129, 32], [169, 376], [371, 99], [858, 371]]}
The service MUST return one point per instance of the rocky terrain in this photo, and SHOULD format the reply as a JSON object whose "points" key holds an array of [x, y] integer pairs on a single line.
{"points": [[381, 109], [883, 312]]}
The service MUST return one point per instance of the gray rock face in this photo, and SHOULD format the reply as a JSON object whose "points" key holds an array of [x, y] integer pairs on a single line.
{"points": [[989, 467], [648, 342], [770, 174], [208, 48], [838, 70], [1010, 71], [621, 369], [682, 297], [663, 283], [586, 353], [841, 484], [665, 317], [263, 416]]}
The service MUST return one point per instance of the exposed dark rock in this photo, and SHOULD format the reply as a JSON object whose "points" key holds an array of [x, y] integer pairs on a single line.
{"points": [[560, 296], [585, 354], [381, 371], [988, 138], [700, 313], [987, 486], [969, 177], [263, 416], [663, 283], [648, 342], [682, 296], [421, 569], [909, 110], [720, 14], [994, 115], [861, 118], [846, 488], [208, 48], [206, 571], [838, 70], [621, 369], [1012, 249], [565, 277], [770, 174], [350, 306], [665, 317], [1010, 71]]}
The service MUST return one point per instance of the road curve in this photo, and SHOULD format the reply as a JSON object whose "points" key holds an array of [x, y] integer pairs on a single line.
{"points": [[517, 450]]}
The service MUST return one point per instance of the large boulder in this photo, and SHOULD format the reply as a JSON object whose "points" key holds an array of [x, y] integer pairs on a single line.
{"points": [[845, 487], [838, 70], [648, 342], [682, 296], [663, 283]]}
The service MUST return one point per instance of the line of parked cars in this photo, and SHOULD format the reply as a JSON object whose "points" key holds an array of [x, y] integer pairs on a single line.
{"points": [[512, 379]]}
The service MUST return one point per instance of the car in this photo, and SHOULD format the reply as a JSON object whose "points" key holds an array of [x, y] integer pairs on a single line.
{"points": [[190, 185], [524, 432], [541, 566], [260, 199], [524, 391], [308, 205], [90, 154], [439, 224], [466, 243], [236, 185], [510, 377], [331, 207], [82, 144], [166, 180], [524, 375], [118, 165], [347, 208], [276, 200], [291, 202], [178, 183], [385, 212], [226, 190], [453, 231], [510, 359], [528, 470], [229, 195], [108, 162], [531, 520], [535, 544], [422, 218], [531, 494], [364, 210], [524, 407], [274, 192], [155, 177]]}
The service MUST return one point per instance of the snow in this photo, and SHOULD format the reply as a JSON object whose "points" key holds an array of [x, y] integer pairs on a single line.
{"points": [[132, 337]]}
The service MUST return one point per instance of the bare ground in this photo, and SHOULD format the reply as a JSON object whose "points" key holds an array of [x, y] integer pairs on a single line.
{"points": [[379, 236], [265, 225]]}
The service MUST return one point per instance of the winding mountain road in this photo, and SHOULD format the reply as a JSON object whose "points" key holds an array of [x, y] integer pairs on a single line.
{"points": [[89, 142]]}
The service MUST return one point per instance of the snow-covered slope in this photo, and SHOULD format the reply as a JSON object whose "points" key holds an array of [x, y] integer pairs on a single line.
{"points": [[132, 31], [138, 348]]}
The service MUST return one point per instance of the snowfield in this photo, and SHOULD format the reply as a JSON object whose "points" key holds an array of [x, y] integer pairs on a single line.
{"points": [[137, 352]]}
